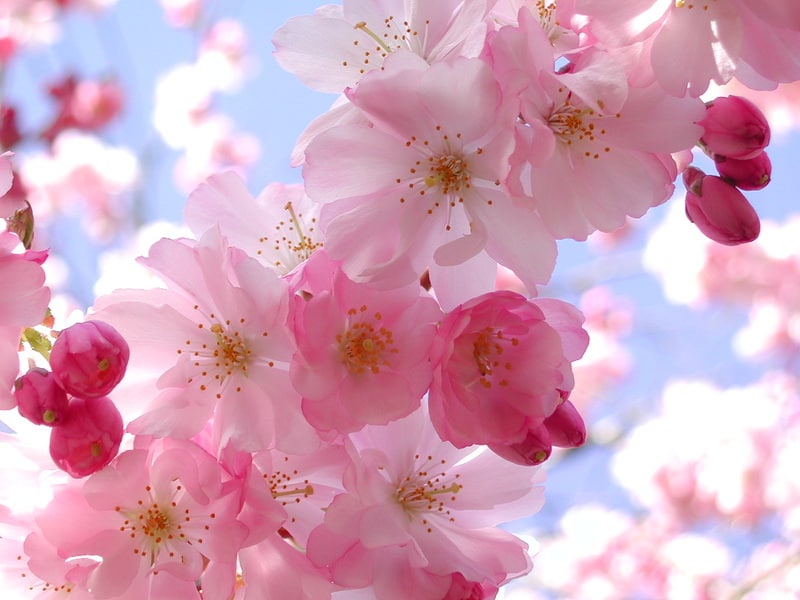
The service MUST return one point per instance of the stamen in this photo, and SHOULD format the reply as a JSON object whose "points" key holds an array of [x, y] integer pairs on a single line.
{"points": [[362, 25]]}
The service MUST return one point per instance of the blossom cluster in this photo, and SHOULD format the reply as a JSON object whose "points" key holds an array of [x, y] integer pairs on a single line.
{"points": [[329, 392]]}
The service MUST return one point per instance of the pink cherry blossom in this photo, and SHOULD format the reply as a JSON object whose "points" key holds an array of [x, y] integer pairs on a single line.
{"points": [[279, 227], [415, 513], [501, 366], [163, 515], [216, 342], [358, 36], [23, 303], [590, 151], [428, 175], [362, 354]]}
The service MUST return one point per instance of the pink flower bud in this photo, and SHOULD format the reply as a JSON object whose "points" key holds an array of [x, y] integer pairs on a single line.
{"points": [[39, 398], [734, 127], [722, 212], [534, 449], [748, 174], [89, 359], [566, 426], [693, 179], [89, 439]]}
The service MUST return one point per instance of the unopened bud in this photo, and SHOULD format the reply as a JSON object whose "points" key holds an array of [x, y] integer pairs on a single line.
{"points": [[90, 437], [566, 426], [722, 212], [748, 174], [89, 359], [734, 127], [533, 450], [40, 399]]}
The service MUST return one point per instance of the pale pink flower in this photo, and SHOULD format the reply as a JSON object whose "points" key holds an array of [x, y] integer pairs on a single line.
{"points": [[222, 55], [23, 302], [502, 364], [689, 44], [590, 150], [362, 354], [417, 510], [279, 227], [215, 343], [358, 37], [163, 515], [429, 176], [182, 13]]}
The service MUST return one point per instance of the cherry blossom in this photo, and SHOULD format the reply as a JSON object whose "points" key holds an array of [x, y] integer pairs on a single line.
{"points": [[415, 512], [162, 514], [358, 37], [216, 342], [366, 361], [429, 174]]}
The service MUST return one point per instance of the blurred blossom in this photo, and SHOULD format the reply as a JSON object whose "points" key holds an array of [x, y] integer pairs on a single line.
{"points": [[604, 554], [223, 54], [183, 95], [182, 13], [213, 146], [81, 173], [710, 451]]}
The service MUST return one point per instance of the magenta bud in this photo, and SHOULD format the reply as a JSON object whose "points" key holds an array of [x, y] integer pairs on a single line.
{"points": [[533, 450], [40, 399], [748, 174], [89, 359], [90, 437], [693, 179], [734, 127], [722, 212], [566, 426]]}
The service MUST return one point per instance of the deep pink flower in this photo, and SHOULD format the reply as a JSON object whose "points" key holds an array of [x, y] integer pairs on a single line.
{"points": [[734, 127], [720, 210], [502, 364], [747, 174], [89, 438], [40, 399], [362, 354], [89, 359]]}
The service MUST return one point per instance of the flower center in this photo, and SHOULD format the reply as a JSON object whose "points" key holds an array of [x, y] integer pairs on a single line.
{"points": [[566, 121], [290, 244], [231, 351], [427, 490], [365, 344], [449, 172], [487, 351]]}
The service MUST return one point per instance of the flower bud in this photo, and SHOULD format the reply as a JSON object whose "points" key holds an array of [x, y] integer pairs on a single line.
{"points": [[89, 359], [748, 174], [734, 127], [534, 449], [722, 212], [89, 438], [40, 399], [566, 426]]}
